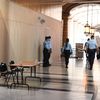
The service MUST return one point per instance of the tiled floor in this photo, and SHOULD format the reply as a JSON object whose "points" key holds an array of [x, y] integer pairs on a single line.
{"points": [[59, 83]]}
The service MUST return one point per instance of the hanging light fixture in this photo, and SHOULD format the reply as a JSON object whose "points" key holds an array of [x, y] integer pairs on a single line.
{"points": [[92, 29], [87, 26]]}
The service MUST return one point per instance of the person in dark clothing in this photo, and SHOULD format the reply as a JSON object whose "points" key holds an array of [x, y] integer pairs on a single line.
{"points": [[47, 49], [67, 51], [91, 51], [86, 48]]}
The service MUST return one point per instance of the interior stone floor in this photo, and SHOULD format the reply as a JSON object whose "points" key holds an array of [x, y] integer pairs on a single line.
{"points": [[58, 83]]}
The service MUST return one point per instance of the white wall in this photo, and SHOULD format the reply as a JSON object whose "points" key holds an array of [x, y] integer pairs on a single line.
{"points": [[26, 34], [3, 30]]}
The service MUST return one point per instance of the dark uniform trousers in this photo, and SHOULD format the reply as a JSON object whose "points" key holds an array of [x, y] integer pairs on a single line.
{"points": [[67, 55], [46, 56], [91, 57]]}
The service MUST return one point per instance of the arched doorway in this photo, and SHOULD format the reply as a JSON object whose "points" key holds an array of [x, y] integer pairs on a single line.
{"points": [[74, 19]]}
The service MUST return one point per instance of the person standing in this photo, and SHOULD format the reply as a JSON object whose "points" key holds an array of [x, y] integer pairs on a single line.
{"points": [[47, 49], [67, 51], [92, 47], [86, 48]]}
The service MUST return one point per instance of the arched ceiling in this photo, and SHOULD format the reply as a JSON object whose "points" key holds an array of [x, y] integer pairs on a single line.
{"points": [[62, 2], [67, 7], [78, 13]]}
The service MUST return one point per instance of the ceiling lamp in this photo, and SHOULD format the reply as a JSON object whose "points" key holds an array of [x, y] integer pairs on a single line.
{"points": [[92, 29], [87, 26], [87, 29]]}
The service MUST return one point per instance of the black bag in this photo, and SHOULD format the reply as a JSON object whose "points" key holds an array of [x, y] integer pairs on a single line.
{"points": [[70, 53], [3, 67], [98, 56], [67, 52]]}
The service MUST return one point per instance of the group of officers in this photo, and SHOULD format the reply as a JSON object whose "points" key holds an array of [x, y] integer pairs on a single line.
{"points": [[47, 50], [90, 49]]}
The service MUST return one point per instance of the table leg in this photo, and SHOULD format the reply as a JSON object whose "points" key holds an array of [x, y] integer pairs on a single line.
{"points": [[31, 74], [35, 71], [22, 81]]}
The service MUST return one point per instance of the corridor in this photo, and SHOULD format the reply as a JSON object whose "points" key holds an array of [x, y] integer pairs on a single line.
{"points": [[59, 83]]}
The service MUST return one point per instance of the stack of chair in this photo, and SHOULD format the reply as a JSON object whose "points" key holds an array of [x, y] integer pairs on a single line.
{"points": [[7, 73]]}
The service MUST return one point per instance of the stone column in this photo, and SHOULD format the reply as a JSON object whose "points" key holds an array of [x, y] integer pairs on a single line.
{"points": [[65, 29]]}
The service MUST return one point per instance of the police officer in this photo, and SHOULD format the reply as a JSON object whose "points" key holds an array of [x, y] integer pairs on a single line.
{"points": [[86, 48], [47, 49], [92, 46], [67, 51]]}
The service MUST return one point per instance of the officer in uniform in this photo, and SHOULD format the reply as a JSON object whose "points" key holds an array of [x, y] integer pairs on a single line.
{"points": [[47, 49], [86, 47], [92, 46], [67, 51]]}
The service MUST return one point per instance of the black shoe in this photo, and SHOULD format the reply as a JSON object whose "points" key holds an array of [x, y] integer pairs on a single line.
{"points": [[45, 65], [90, 69], [49, 65], [66, 66]]}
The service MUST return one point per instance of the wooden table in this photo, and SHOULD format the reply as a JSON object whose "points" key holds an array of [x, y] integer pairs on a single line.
{"points": [[26, 64], [32, 65]]}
